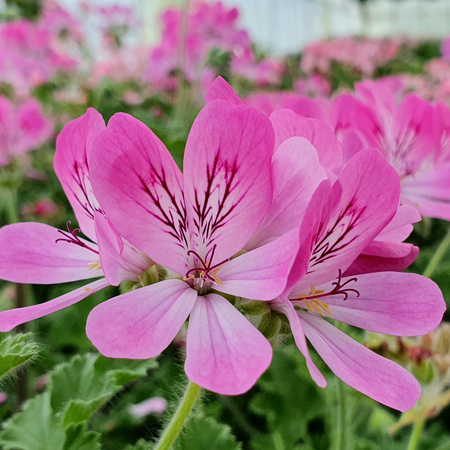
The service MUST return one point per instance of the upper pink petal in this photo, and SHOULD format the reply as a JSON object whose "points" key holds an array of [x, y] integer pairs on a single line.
{"points": [[381, 256], [120, 261], [141, 323], [140, 187], [227, 177], [288, 124], [221, 90], [225, 353], [375, 376], [260, 274], [363, 202], [296, 174], [73, 146], [13, 317], [31, 253]]}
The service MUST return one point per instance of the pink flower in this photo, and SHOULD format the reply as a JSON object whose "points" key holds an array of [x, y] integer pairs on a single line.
{"points": [[22, 128], [341, 220], [40, 254], [405, 135], [156, 405], [196, 224]]}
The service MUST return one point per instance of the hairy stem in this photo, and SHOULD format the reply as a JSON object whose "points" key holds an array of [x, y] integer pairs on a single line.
{"points": [[179, 419]]}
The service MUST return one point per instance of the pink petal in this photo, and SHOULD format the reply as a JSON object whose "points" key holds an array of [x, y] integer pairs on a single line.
{"points": [[363, 203], [381, 256], [296, 175], [400, 227], [141, 323], [73, 147], [221, 90], [30, 254], [308, 232], [228, 181], [13, 317], [429, 192], [140, 187], [287, 308], [359, 367], [400, 304], [225, 353], [120, 261], [260, 274], [288, 124]]}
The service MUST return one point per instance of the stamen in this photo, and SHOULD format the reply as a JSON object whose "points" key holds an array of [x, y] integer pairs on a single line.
{"points": [[72, 238]]}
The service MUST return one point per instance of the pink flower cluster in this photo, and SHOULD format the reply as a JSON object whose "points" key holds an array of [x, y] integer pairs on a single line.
{"points": [[410, 132], [272, 218], [22, 128], [208, 26], [363, 55], [31, 53]]}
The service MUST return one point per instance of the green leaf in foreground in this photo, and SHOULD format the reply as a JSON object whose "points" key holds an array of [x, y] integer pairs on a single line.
{"points": [[140, 445], [205, 433], [57, 419], [16, 350], [81, 386]]}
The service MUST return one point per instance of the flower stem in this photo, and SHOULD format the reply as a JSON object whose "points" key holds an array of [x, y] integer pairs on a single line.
{"points": [[341, 432], [10, 198], [179, 418], [438, 255], [416, 433]]}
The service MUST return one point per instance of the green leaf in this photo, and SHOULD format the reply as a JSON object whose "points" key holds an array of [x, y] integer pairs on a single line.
{"points": [[289, 400], [81, 386], [205, 433], [140, 445], [78, 438], [35, 428], [16, 350]]}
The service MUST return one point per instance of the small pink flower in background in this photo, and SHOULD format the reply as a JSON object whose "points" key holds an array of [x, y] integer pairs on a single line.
{"points": [[40, 254], [193, 223], [153, 405], [445, 49], [43, 208], [3, 397], [22, 128], [313, 86], [364, 55]]}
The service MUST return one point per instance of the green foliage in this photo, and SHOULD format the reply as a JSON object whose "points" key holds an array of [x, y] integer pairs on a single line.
{"points": [[57, 419], [289, 400], [15, 351], [205, 433], [140, 445]]}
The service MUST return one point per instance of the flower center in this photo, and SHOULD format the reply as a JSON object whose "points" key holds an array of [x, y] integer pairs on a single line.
{"points": [[312, 299], [204, 273]]}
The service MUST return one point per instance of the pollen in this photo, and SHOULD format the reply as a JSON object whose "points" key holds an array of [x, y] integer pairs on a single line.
{"points": [[214, 275], [87, 289], [314, 304], [95, 265]]}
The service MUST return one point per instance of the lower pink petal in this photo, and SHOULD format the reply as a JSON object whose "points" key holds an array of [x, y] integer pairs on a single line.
{"points": [[141, 323], [225, 352], [359, 367], [13, 317], [287, 308], [401, 304]]}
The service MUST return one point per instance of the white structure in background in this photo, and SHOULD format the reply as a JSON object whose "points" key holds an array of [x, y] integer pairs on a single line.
{"points": [[286, 26]]}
